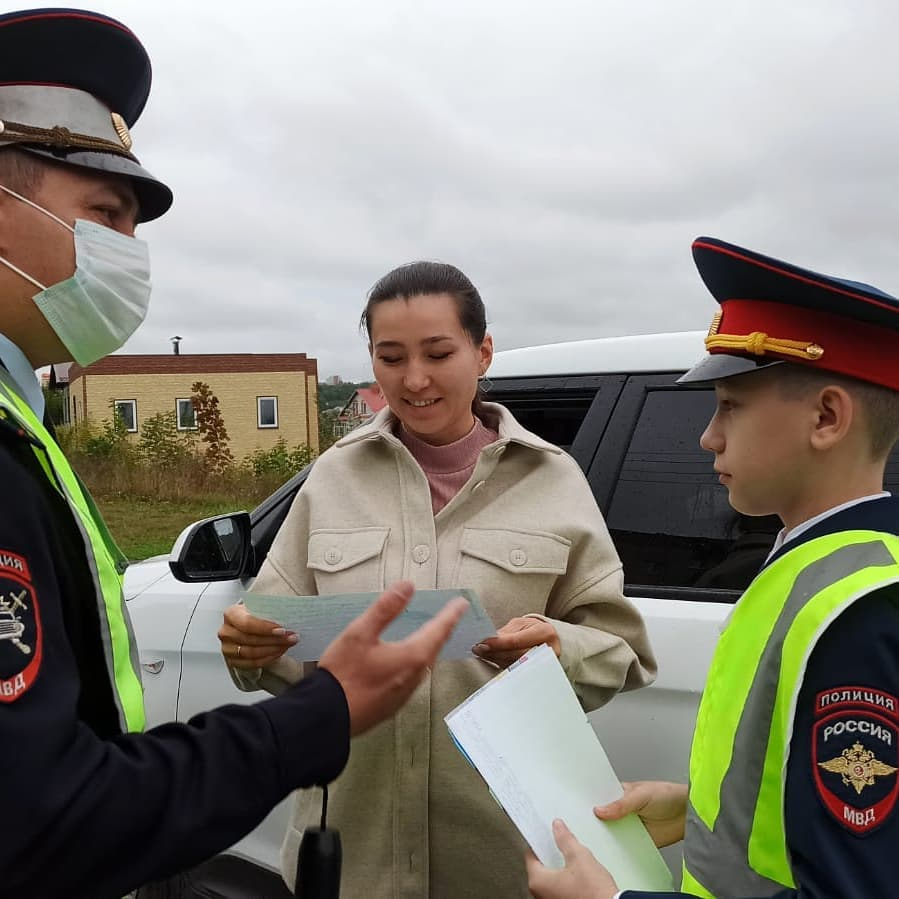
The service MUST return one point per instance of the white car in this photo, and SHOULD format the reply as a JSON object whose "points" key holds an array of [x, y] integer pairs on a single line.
{"points": [[613, 404]]}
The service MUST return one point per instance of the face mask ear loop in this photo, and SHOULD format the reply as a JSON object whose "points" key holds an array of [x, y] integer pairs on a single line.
{"points": [[46, 212], [34, 205], [22, 274]]}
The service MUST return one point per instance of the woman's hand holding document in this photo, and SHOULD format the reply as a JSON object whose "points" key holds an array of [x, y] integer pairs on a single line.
{"points": [[529, 738], [308, 624]]}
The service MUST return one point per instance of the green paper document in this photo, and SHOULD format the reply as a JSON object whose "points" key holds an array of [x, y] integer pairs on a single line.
{"points": [[527, 735], [319, 619]]}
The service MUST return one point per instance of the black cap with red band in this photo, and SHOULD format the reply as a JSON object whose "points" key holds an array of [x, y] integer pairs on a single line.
{"points": [[72, 83], [772, 311]]}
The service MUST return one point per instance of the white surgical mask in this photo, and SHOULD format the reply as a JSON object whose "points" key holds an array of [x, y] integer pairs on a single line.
{"points": [[96, 310]]}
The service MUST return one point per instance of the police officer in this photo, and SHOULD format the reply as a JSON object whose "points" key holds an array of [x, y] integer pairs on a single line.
{"points": [[89, 806], [793, 771]]}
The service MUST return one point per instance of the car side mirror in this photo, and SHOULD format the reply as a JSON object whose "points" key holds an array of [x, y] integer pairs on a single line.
{"points": [[215, 549]]}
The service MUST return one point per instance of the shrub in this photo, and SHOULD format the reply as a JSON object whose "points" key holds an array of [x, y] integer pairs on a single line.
{"points": [[161, 443], [280, 462], [73, 438], [112, 440]]}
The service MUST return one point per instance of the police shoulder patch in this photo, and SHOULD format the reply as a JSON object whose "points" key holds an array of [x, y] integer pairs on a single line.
{"points": [[855, 755], [21, 639]]}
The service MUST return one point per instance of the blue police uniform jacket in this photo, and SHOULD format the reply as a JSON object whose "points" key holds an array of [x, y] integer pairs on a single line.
{"points": [[859, 651], [86, 810]]}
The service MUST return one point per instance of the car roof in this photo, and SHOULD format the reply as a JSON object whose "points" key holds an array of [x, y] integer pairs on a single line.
{"points": [[603, 355]]}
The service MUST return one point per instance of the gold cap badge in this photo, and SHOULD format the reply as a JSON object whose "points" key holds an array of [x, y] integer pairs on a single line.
{"points": [[122, 130]]}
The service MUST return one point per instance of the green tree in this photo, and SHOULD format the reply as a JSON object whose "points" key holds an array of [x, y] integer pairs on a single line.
{"points": [[161, 443], [211, 427]]}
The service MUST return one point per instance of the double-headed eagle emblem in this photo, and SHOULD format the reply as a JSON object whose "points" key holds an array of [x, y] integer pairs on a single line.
{"points": [[857, 767]]}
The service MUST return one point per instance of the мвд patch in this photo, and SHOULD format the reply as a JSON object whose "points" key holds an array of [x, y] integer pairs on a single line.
{"points": [[20, 628], [855, 749]]}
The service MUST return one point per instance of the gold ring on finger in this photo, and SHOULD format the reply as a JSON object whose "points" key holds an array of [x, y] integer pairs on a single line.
{"points": [[239, 647]]}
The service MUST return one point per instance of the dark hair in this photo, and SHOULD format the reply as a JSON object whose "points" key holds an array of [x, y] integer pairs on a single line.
{"points": [[418, 279], [424, 278]]}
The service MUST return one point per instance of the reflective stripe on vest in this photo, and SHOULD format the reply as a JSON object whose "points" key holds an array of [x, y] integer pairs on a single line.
{"points": [[101, 555], [735, 841]]}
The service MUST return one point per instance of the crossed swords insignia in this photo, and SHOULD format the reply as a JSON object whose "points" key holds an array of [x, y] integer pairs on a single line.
{"points": [[11, 627]]}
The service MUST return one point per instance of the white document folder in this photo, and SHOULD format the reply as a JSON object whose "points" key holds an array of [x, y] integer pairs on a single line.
{"points": [[531, 741]]}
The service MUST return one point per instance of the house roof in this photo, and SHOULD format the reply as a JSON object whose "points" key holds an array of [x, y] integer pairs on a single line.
{"points": [[371, 396], [197, 363]]}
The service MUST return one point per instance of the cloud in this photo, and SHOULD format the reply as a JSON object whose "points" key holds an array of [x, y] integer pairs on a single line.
{"points": [[563, 154]]}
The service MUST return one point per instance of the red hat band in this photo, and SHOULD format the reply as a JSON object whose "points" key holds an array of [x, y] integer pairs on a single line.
{"points": [[806, 336]]}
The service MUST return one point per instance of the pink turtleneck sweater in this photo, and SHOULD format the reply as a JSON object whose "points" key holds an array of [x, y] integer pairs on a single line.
{"points": [[448, 467]]}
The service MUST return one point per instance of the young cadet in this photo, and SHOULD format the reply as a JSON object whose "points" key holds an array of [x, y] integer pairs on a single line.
{"points": [[91, 807], [793, 771]]}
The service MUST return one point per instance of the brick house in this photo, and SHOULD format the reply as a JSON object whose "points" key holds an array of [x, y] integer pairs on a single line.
{"points": [[262, 397]]}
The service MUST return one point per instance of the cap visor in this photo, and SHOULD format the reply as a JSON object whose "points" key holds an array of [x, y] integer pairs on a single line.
{"points": [[153, 196], [717, 366]]}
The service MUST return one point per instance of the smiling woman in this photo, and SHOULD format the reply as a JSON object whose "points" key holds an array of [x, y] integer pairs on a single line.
{"points": [[448, 492], [429, 345]]}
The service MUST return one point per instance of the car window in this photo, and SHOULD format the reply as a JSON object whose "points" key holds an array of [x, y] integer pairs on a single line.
{"points": [[570, 411], [556, 418], [553, 408], [668, 515]]}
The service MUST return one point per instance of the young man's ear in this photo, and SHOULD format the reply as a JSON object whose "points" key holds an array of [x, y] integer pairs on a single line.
{"points": [[835, 414]]}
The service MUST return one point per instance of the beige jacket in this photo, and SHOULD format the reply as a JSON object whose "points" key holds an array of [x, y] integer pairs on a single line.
{"points": [[525, 533]]}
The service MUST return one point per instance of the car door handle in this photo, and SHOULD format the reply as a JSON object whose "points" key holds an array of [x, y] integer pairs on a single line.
{"points": [[153, 666]]}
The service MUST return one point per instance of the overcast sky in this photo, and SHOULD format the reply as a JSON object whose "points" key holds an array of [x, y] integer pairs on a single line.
{"points": [[564, 154]]}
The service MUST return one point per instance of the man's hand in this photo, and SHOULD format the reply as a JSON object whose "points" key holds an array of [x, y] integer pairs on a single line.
{"points": [[661, 806], [583, 877], [515, 638], [377, 677], [251, 642]]}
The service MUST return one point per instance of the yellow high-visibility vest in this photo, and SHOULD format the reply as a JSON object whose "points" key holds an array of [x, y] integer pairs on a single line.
{"points": [[104, 559], [735, 843]]}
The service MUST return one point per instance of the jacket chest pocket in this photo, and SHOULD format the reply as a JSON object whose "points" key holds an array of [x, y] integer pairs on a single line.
{"points": [[513, 571], [348, 560]]}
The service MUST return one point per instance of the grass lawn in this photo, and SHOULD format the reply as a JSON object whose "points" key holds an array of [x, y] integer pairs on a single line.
{"points": [[144, 528]]}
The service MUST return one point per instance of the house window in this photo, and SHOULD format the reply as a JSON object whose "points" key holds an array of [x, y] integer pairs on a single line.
{"points": [[126, 410], [186, 415], [267, 411]]}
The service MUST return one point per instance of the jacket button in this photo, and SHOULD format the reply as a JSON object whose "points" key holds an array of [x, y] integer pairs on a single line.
{"points": [[333, 555], [421, 553], [518, 557]]}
